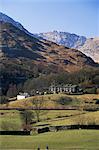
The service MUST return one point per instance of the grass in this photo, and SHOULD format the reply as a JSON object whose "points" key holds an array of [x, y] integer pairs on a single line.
{"points": [[74, 118], [51, 100], [49, 118], [52, 117], [65, 140], [10, 120], [13, 117]]}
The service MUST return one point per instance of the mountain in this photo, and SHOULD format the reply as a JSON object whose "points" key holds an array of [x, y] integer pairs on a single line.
{"points": [[6, 19], [15, 44], [22, 56], [64, 38], [90, 46]]}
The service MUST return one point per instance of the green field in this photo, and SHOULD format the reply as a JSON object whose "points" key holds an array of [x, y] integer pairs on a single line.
{"points": [[70, 117], [11, 119], [63, 140]]}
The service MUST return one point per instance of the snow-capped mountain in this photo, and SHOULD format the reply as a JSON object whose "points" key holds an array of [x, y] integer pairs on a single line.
{"points": [[7, 19], [90, 46], [64, 38]]}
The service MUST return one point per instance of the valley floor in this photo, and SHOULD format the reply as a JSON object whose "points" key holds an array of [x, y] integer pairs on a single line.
{"points": [[62, 140]]}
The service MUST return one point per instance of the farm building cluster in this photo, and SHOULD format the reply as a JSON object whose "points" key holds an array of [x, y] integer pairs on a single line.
{"points": [[69, 89]]}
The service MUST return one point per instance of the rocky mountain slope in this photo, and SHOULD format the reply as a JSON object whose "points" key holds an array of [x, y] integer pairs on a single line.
{"points": [[18, 45], [64, 38], [90, 46]]}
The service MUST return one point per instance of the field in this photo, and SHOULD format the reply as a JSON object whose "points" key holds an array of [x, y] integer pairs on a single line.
{"points": [[70, 117], [53, 100], [63, 140], [11, 119]]}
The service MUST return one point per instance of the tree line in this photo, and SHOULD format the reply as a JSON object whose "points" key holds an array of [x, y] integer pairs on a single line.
{"points": [[85, 78]]}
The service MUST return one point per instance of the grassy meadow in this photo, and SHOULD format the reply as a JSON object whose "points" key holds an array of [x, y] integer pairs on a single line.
{"points": [[52, 100], [65, 140], [11, 119]]}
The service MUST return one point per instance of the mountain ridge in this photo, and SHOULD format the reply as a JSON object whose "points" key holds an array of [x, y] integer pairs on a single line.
{"points": [[60, 38], [7, 19], [17, 43], [86, 45]]}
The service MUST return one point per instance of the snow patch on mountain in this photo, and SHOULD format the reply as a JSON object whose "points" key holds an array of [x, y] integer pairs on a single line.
{"points": [[64, 38]]}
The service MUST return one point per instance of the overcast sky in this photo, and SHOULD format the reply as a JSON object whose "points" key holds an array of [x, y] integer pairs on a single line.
{"points": [[74, 16]]}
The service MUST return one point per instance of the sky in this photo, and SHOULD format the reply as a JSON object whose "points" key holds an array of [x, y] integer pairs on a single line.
{"points": [[75, 16]]}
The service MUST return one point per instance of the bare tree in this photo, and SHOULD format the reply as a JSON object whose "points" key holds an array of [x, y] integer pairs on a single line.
{"points": [[26, 117], [38, 104]]}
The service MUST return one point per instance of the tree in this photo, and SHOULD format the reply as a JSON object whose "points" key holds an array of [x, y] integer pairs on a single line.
{"points": [[26, 117], [38, 105], [96, 80], [4, 100], [12, 91]]}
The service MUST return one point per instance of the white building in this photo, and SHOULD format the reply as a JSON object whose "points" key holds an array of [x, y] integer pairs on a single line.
{"points": [[22, 96]]}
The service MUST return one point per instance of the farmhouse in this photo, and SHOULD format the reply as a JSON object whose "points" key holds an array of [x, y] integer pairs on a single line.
{"points": [[69, 88], [22, 96]]}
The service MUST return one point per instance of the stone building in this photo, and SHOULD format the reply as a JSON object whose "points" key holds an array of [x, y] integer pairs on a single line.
{"points": [[68, 88]]}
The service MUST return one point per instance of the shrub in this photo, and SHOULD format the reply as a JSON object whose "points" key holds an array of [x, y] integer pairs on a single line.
{"points": [[97, 91], [3, 100], [65, 100], [97, 101], [90, 90]]}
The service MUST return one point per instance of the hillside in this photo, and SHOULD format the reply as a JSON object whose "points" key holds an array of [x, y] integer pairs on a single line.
{"points": [[89, 46], [16, 45], [23, 56]]}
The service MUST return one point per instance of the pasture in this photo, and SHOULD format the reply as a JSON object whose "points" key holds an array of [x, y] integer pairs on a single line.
{"points": [[56, 100], [65, 140], [11, 119]]}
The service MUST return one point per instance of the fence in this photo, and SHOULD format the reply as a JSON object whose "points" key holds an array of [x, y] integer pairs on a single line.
{"points": [[14, 132], [67, 127]]}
